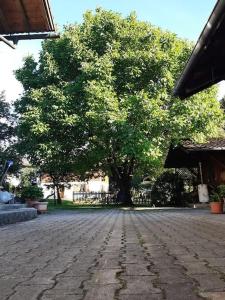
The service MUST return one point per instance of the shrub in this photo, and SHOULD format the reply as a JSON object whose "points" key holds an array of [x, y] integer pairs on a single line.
{"points": [[168, 190], [32, 192]]}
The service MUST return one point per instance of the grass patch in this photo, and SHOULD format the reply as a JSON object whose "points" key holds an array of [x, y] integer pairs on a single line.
{"points": [[69, 205]]}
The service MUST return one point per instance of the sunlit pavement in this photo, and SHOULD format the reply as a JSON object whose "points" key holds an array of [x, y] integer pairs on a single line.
{"points": [[114, 254]]}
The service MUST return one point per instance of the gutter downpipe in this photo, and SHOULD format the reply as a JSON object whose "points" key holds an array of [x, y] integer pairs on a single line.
{"points": [[3, 39]]}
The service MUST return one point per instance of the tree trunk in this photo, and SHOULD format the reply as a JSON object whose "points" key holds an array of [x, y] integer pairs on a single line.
{"points": [[124, 194], [122, 176], [59, 200]]}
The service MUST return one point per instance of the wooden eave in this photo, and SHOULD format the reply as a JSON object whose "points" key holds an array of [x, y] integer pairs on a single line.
{"points": [[25, 16], [206, 65]]}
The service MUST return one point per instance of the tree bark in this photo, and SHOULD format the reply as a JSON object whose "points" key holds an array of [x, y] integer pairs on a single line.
{"points": [[122, 176], [56, 186], [59, 200], [123, 182], [124, 194]]}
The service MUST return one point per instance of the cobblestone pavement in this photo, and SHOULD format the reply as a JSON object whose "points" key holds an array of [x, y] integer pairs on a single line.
{"points": [[114, 254]]}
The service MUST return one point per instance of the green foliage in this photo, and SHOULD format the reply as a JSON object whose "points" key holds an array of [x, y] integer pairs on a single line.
{"points": [[215, 197], [7, 135], [101, 97], [31, 192], [218, 194], [26, 175], [168, 190], [221, 190]]}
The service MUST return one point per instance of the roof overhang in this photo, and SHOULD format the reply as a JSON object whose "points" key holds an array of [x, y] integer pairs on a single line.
{"points": [[178, 157], [206, 65], [25, 19], [188, 154]]}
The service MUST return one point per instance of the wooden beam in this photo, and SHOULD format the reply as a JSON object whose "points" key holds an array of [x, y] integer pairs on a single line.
{"points": [[25, 16], [3, 21]]}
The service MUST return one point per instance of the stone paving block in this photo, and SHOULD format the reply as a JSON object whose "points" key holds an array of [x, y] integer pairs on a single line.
{"points": [[76, 272], [197, 268], [133, 258], [173, 246], [142, 297], [71, 284], [38, 280], [210, 282], [6, 287], [27, 293], [107, 264], [216, 261], [213, 296], [219, 269], [62, 297], [173, 275], [139, 285], [104, 277], [137, 269], [186, 258], [180, 291], [101, 292]]}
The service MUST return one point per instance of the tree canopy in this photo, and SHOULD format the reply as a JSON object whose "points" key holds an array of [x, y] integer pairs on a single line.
{"points": [[101, 97], [7, 134]]}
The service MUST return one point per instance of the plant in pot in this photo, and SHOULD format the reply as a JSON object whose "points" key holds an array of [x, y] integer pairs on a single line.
{"points": [[31, 194], [41, 206], [217, 200]]}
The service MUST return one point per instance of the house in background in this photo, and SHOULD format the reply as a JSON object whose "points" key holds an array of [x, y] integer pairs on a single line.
{"points": [[97, 183], [205, 67]]}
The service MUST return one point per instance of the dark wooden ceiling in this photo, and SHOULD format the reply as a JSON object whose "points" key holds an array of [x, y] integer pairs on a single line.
{"points": [[25, 16], [189, 154]]}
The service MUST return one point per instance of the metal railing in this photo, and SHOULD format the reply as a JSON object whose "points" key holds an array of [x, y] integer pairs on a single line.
{"points": [[138, 198], [94, 198], [141, 198]]}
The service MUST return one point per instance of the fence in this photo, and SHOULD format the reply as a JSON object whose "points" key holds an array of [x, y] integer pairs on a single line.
{"points": [[142, 197], [94, 198], [138, 198]]}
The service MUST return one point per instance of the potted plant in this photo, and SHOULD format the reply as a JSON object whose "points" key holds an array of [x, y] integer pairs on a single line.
{"points": [[31, 194], [41, 206], [221, 192], [217, 200]]}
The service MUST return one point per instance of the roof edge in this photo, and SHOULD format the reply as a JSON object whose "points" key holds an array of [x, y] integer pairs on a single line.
{"points": [[49, 14], [201, 45]]}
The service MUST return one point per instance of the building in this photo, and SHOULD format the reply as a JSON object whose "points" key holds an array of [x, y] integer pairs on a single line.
{"points": [[207, 160], [98, 183], [24, 20], [206, 65]]}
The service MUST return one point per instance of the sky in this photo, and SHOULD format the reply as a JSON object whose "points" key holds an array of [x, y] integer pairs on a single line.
{"points": [[185, 18]]}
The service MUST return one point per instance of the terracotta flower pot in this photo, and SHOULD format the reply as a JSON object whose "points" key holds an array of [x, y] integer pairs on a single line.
{"points": [[31, 202], [42, 207], [216, 207]]}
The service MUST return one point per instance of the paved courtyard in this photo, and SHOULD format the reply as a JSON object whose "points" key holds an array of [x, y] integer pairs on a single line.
{"points": [[114, 254]]}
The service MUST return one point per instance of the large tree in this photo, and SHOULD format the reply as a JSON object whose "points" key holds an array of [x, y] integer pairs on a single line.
{"points": [[7, 135], [101, 97]]}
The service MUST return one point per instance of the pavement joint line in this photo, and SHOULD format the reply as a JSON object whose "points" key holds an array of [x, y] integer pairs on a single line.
{"points": [[157, 281], [148, 259], [54, 278], [90, 270], [123, 284], [167, 243]]}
